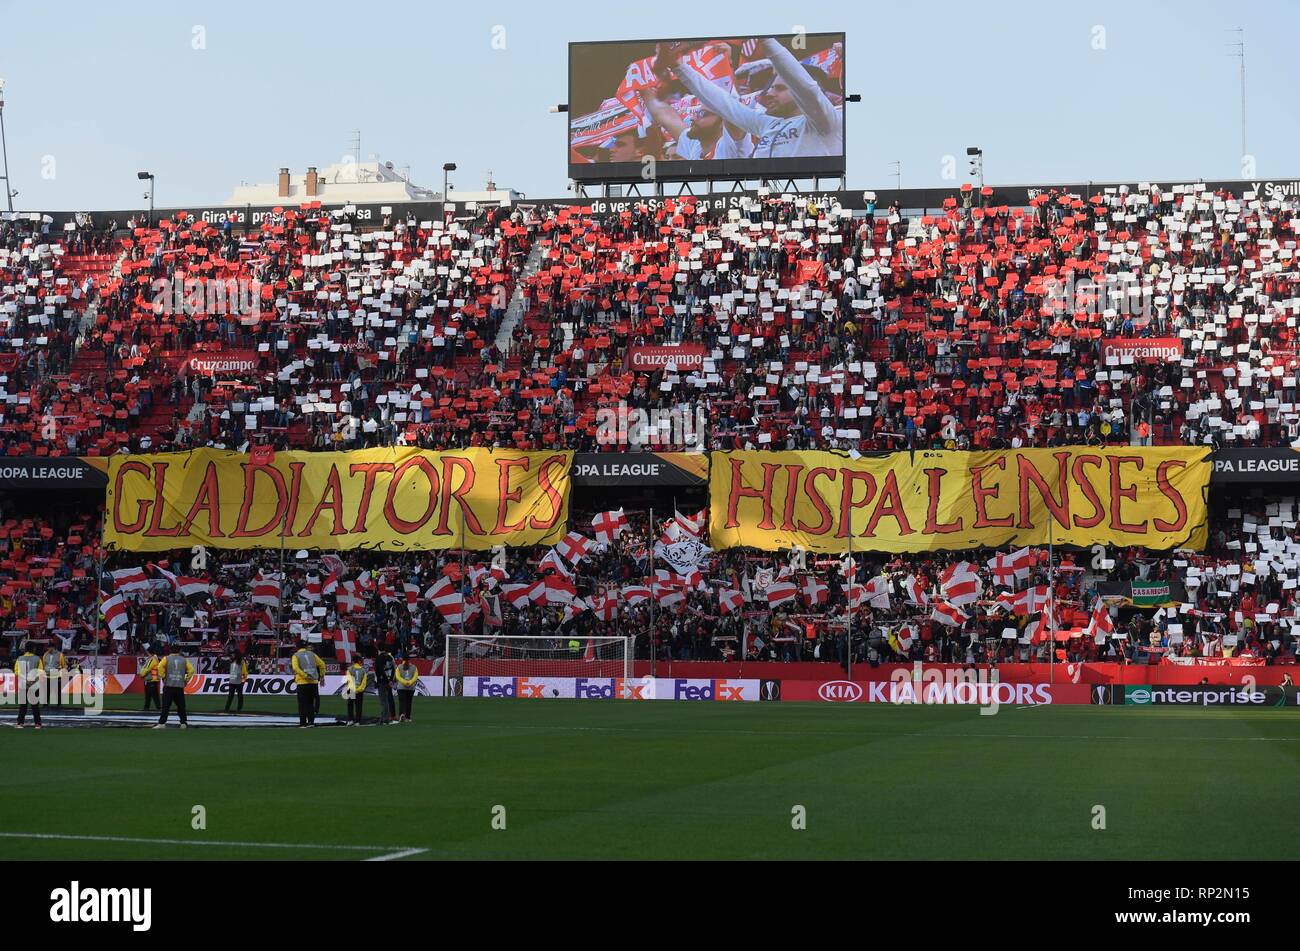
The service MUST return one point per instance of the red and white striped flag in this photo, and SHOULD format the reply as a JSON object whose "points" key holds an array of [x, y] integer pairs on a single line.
{"points": [[781, 590], [130, 579], [906, 634], [184, 585], [553, 562], [914, 591], [114, 611], [876, 592], [1024, 603], [949, 614], [266, 589], [519, 595], [960, 584], [440, 588], [668, 595], [311, 589], [730, 600], [635, 593], [559, 589]]}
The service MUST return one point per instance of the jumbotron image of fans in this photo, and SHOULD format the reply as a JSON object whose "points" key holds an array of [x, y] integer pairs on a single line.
{"points": [[751, 493]]}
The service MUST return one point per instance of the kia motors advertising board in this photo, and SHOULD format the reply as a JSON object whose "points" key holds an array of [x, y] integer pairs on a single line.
{"points": [[934, 690]]}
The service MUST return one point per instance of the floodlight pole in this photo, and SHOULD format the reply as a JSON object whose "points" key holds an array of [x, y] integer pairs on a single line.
{"points": [[848, 620], [4, 150], [650, 555], [1051, 597]]}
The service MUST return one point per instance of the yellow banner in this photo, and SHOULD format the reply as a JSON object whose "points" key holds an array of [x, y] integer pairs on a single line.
{"points": [[390, 499], [928, 500]]}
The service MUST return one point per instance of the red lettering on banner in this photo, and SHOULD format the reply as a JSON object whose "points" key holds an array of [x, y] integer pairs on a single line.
{"points": [[810, 490], [847, 505], [1173, 495], [889, 493], [330, 498], [981, 492], [1119, 492], [372, 470], [1088, 489], [398, 523], [246, 503], [1059, 508], [741, 491], [156, 529], [505, 495], [468, 522], [791, 496], [547, 485], [933, 526], [208, 500], [141, 507]]}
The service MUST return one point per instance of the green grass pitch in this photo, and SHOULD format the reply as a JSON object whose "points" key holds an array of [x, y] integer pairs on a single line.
{"points": [[591, 779]]}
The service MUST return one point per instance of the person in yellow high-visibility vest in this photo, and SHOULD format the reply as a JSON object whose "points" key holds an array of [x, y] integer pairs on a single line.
{"points": [[54, 664], [29, 671], [152, 679], [357, 680], [308, 672], [176, 671], [407, 676], [235, 683]]}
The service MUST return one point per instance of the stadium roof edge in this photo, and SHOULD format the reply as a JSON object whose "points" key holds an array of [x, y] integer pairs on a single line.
{"points": [[933, 197]]}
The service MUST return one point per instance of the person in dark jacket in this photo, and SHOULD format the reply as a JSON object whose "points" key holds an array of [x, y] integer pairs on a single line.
{"points": [[385, 670]]}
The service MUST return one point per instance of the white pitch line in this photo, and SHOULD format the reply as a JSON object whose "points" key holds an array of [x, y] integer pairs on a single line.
{"points": [[395, 855], [244, 845]]}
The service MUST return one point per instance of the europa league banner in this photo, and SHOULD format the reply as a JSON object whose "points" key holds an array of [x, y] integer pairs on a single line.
{"points": [[928, 500], [390, 499]]}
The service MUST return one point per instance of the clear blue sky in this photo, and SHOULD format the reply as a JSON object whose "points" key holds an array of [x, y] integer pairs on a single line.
{"points": [[108, 89]]}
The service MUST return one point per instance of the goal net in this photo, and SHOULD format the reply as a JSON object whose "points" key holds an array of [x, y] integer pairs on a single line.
{"points": [[536, 666]]}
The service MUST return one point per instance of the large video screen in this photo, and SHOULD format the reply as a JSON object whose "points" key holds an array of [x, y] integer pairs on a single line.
{"points": [[717, 107]]}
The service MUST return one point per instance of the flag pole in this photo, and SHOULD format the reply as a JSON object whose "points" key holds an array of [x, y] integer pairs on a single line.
{"points": [[1051, 597], [848, 622], [650, 565], [463, 572], [279, 609], [99, 584]]}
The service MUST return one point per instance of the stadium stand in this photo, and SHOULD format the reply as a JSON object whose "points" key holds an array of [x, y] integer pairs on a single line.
{"points": [[978, 326]]}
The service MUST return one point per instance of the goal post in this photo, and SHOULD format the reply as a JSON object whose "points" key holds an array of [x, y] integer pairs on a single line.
{"points": [[548, 666]]}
